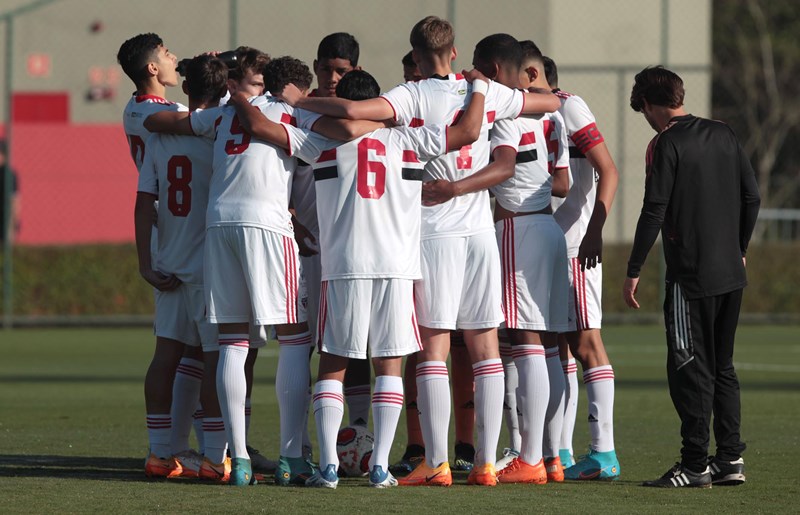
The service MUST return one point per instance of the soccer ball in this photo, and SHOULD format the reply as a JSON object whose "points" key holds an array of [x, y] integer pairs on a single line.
{"points": [[354, 447]]}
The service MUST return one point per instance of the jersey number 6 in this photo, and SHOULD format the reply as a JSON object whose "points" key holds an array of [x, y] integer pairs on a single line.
{"points": [[374, 170]]}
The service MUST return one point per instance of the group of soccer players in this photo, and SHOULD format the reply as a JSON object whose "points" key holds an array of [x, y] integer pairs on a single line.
{"points": [[367, 217]]}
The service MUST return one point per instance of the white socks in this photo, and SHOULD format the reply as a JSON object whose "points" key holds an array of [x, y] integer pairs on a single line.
{"points": [[387, 403], [510, 410], [554, 419], [534, 397], [291, 388], [216, 440], [358, 403], [185, 397], [328, 413], [570, 403], [599, 383], [159, 427], [489, 394], [433, 402], [232, 390]]}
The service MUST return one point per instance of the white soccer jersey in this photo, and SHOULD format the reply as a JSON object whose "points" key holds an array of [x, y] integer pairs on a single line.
{"points": [[178, 170], [252, 179], [540, 142], [441, 101], [136, 111], [368, 200], [573, 213]]}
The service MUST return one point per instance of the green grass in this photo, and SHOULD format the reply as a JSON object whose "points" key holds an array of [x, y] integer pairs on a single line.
{"points": [[72, 436]]}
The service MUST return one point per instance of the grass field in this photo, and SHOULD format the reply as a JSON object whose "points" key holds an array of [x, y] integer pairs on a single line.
{"points": [[72, 436]]}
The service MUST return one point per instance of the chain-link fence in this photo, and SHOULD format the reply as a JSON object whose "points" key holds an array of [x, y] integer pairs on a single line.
{"points": [[64, 92]]}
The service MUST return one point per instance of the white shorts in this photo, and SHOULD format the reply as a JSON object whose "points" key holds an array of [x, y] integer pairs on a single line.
{"points": [[311, 270], [585, 296], [535, 281], [356, 312], [460, 285], [252, 275], [181, 316]]}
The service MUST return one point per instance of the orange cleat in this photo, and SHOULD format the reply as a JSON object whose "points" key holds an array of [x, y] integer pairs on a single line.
{"points": [[423, 475], [519, 471], [555, 472], [190, 462], [162, 467], [483, 475], [220, 472]]}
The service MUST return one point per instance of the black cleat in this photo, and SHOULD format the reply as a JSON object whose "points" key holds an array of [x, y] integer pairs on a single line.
{"points": [[465, 456], [726, 473], [679, 476]]}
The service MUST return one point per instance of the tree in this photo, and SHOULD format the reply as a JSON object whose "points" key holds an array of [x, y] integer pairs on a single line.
{"points": [[756, 89]]}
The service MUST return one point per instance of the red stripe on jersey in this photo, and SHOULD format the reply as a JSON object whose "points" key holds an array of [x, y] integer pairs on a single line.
{"points": [[409, 156], [490, 116], [416, 122], [327, 155], [394, 111], [459, 76], [457, 116], [153, 98], [416, 327], [587, 138], [528, 138], [287, 118]]}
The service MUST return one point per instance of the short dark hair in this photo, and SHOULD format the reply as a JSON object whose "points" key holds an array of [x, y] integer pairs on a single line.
{"points": [[286, 70], [358, 85], [530, 51], [339, 45], [135, 54], [501, 49], [408, 60], [205, 78], [658, 86], [248, 58], [550, 71]]}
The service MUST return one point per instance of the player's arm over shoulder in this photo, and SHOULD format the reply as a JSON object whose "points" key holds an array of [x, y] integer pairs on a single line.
{"points": [[172, 122], [468, 127]]}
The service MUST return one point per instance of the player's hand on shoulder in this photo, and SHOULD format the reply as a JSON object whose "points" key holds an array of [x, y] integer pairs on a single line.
{"points": [[473, 75], [160, 281], [238, 98], [437, 191]]}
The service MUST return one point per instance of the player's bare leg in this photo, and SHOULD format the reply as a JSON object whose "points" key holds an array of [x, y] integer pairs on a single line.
{"points": [[158, 402], [463, 402], [487, 369], [357, 391]]}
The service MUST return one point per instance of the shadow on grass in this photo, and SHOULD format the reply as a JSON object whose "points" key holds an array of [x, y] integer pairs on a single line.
{"points": [[72, 467]]}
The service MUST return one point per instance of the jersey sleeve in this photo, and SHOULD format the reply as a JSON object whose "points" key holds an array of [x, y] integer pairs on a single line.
{"points": [[404, 100], [662, 162], [204, 123], [562, 156], [428, 141], [504, 101], [305, 144], [148, 175], [581, 124], [305, 119], [505, 133]]}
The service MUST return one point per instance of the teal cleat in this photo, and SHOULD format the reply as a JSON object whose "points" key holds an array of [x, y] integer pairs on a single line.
{"points": [[241, 473], [293, 471], [595, 465], [378, 478], [566, 458]]}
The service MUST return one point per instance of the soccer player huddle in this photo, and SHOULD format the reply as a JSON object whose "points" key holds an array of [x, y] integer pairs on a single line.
{"points": [[361, 223]]}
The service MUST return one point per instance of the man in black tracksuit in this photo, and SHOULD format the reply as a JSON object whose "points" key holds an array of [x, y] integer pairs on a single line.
{"points": [[701, 193]]}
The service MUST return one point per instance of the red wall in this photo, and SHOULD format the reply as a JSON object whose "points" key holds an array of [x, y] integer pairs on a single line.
{"points": [[77, 183]]}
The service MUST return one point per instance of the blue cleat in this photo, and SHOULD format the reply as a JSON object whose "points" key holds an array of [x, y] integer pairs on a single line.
{"points": [[380, 479], [595, 465], [324, 478], [241, 473]]}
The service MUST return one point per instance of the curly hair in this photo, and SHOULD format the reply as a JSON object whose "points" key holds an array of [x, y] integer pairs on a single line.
{"points": [[286, 70]]}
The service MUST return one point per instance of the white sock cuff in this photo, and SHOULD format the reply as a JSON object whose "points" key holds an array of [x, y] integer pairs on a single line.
{"points": [[601, 373], [487, 368], [361, 389], [192, 368], [211, 424], [234, 340], [429, 370], [551, 353], [388, 392], [328, 393], [302, 339], [569, 366], [159, 421], [527, 351]]}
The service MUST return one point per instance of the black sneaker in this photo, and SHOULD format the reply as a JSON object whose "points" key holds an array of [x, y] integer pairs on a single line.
{"points": [[465, 456], [678, 477], [414, 455], [726, 473]]}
